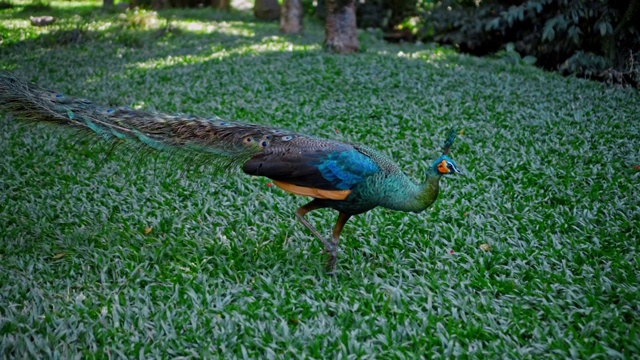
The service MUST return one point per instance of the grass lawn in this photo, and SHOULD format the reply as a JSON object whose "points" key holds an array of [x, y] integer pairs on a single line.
{"points": [[134, 254]]}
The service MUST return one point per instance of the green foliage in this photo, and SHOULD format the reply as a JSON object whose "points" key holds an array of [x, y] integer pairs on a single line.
{"points": [[5, 4], [587, 38], [38, 6], [139, 19], [225, 270], [509, 55], [179, 4], [67, 36]]}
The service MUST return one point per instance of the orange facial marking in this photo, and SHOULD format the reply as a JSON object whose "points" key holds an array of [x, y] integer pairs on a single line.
{"points": [[442, 167], [315, 193]]}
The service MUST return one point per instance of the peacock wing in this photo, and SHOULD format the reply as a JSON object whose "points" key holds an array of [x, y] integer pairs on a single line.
{"points": [[313, 167]]}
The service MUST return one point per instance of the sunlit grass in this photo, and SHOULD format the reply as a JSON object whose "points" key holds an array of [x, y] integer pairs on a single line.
{"points": [[533, 253], [70, 5]]}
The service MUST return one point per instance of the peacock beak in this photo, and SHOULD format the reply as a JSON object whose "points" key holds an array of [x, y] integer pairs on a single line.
{"points": [[454, 169]]}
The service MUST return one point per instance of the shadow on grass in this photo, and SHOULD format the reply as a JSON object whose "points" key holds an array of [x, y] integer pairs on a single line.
{"points": [[193, 32], [25, 12], [97, 11]]}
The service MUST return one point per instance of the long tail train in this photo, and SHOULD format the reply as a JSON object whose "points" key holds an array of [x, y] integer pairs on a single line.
{"points": [[232, 141]]}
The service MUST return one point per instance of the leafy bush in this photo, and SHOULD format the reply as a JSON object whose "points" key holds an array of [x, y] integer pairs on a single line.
{"points": [[4, 4], [139, 19], [163, 4], [384, 14], [595, 39], [37, 5]]}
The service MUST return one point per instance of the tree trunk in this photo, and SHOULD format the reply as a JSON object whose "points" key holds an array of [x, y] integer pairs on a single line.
{"points": [[159, 4], [221, 4], [341, 35], [107, 3], [291, 17], [266, 10]]}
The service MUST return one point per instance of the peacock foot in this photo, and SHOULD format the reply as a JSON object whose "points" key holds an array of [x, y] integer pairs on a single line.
{"points": [[331, 259], [328, 249]]}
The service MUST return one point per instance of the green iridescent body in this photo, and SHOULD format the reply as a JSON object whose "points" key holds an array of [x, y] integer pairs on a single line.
{"points": [[391, 189]]}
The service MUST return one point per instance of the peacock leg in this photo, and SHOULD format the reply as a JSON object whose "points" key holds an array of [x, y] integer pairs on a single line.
{"points": [[302, 211], [335, 237]]}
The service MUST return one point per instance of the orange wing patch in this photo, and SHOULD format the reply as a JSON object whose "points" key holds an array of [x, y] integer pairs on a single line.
{"points": [[315, 193]]}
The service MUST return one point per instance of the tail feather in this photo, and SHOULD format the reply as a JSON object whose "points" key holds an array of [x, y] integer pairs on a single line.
{"points": [[231, 141]]}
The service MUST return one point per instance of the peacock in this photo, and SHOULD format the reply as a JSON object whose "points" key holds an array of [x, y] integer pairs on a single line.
{"points": [[349, 178]]}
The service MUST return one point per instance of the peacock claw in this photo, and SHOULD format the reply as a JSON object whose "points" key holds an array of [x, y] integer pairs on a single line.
{"points": [[331, 260], [330, 263], [329, 248]]}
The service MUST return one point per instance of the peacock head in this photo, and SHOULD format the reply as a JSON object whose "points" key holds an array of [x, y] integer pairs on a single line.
{"points": [[445, 165]]}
